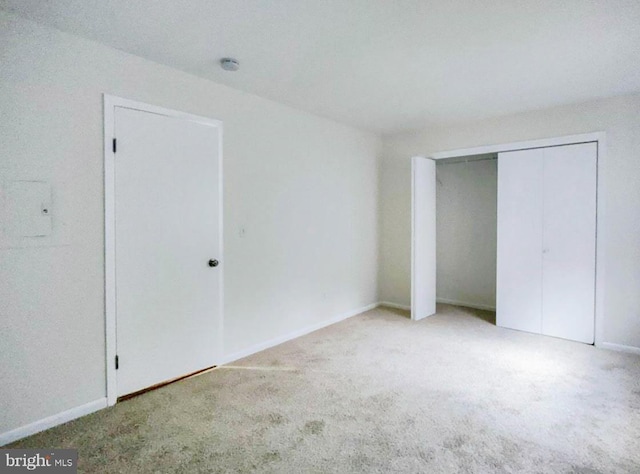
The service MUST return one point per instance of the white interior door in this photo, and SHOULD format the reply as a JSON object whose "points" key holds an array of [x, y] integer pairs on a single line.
{"points": [[166, 231], [569, 242], [423, 248], [519, 264]]}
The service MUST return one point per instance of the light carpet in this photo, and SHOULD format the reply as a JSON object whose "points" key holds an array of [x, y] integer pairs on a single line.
{"points": [[379, 393]]}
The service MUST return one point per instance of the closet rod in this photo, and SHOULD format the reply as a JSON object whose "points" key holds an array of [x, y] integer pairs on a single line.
{"points": [[452, 161]]}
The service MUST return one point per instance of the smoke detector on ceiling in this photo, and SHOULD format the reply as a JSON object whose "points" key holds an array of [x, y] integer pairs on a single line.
{"points": [[229, 64]]}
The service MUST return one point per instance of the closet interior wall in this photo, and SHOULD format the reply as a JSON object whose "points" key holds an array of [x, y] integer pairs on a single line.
{"points": [[466, 229]]}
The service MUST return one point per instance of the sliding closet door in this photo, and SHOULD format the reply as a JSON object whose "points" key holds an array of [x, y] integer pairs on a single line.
{"points": [[519, 265], [569, 242]]}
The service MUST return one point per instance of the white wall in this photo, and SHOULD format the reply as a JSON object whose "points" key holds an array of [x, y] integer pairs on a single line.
{"points": [[304, 188], [618, 117], [466, 228]]}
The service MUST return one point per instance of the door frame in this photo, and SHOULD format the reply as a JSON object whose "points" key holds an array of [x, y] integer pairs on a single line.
{"points": [[110, 102], [600, 139]]}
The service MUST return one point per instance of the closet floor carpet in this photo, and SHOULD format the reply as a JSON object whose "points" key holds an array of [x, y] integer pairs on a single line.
{"points": [[378, 393]]}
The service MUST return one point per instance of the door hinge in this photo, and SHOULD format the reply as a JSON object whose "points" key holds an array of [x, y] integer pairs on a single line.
{"points": [[117, 362], [114, 145]]}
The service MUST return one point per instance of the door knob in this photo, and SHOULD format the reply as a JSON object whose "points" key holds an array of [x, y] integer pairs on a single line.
{"points": [[213, 263]]}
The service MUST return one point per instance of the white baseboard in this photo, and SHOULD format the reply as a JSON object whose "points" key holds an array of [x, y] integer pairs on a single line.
{"points": [[51, 421], [620, 347], [389, 304], [292, 335], [466, 304]]}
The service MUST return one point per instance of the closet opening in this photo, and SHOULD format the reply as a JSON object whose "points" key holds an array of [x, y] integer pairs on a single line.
{"points": [[514, 229], [466, 234]]}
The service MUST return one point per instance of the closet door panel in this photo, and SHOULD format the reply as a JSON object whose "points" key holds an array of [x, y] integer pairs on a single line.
{"points": [[519, 265], [423, 238], [569, 242]]}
